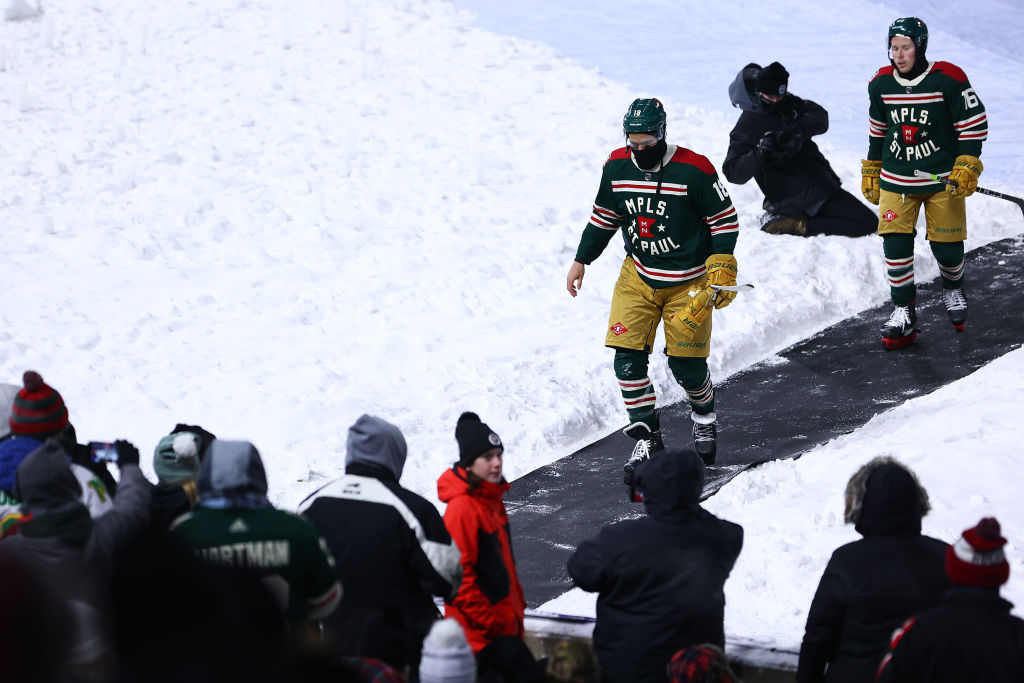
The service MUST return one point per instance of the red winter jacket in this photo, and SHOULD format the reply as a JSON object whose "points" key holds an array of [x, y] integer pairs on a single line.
{"points": [[490, 600]]}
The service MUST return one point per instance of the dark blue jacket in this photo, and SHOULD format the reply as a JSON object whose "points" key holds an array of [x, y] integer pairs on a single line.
{"points": [[13, 450]]}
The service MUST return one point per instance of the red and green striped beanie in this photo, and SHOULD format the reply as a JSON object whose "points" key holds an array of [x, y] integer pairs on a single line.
{"points": [[38, 410]]}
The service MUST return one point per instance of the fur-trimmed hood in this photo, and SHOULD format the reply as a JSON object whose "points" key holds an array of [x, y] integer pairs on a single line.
{"points": [[885, 498]]}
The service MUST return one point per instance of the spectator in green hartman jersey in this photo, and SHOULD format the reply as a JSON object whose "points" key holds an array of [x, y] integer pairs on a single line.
{"points": [[235, 525]]}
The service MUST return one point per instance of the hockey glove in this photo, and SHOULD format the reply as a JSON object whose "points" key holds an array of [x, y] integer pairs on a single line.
{"points": [[869, 187], [695, 313], [966, 170], [721, 271]]}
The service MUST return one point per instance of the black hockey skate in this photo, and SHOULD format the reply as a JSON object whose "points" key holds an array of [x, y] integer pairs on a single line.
{"points": [[955, 301], [901, 329], [705, 437], [647, 443]]}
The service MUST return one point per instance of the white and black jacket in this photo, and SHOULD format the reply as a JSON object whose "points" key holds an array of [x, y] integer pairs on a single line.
{"points": [[393, 554]]}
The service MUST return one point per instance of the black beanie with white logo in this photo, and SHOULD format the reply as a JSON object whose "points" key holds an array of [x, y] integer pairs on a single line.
{"points": [[475, 438], [773, 79]]}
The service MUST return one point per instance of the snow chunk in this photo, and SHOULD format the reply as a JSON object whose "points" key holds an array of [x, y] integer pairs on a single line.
{"points": [[19, 10]]}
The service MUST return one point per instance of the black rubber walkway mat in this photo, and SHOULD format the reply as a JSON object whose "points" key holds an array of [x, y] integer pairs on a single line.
{"points": [[810, 393]]}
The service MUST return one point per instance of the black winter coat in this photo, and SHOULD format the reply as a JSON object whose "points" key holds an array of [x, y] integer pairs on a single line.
{"points": [[392, 553], [872, 585], [660, 578], [971, 636], [799, 176], [170, 501]]}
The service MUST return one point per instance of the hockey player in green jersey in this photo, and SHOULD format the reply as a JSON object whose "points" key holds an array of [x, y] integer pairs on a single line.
{"points": [[679, 228], [924, 116]]}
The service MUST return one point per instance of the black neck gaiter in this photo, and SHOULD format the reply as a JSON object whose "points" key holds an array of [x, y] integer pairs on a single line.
{"points": [[648, 158]]}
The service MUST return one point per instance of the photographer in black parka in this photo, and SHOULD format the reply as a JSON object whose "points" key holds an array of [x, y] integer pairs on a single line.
{"points": [[660, 579], [771, 143]]}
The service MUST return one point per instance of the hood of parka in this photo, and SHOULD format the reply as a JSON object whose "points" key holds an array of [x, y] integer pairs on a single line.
{"points": [[454, 482], [672, 482], [884, 498], [742, 90]]}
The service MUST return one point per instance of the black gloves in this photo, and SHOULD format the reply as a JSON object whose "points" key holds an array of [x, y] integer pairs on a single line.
{"points": [[769, 147], [776, 145], [791, 140], [127, 453]]}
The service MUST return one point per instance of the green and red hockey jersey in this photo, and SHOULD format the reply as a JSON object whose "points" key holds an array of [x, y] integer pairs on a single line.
{"points": [[922, 124], [671, 219], [283, 549]]}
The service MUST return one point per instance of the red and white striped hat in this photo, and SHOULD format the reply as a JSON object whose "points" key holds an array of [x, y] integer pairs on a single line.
{"points": [[977, 557], [38, 410]]}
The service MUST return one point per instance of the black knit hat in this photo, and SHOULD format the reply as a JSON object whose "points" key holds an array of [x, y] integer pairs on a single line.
{"points": [[475, 438], [772, 80]]}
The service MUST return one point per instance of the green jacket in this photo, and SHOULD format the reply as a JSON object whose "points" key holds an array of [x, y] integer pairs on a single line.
{"points": [[282, 548]]}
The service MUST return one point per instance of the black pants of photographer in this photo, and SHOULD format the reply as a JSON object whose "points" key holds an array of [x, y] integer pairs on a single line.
{"points": [[843, 214]]}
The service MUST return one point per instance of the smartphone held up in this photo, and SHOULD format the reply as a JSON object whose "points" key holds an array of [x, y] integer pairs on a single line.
{"points": [[103, 451]]}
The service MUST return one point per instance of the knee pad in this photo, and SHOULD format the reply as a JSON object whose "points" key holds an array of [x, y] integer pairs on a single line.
{"points": [[897, 245], [689, 372], [948, 253], [630, 364]]}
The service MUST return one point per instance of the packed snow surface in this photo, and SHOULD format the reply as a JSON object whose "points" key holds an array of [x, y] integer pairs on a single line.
{"points": [[269, 218]]}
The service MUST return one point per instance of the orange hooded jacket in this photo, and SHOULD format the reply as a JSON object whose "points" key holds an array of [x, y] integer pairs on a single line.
{"points": [[490, 600]]}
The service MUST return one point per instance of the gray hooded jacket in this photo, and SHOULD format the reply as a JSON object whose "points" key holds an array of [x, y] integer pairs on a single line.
{"points": [[376, 442], [389, 543], [232, 476], [71, 551], [47, 486]]}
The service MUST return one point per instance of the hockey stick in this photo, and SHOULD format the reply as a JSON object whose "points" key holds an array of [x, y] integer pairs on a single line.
{"points": [[727, 288], [735, 288], [981, 190]]}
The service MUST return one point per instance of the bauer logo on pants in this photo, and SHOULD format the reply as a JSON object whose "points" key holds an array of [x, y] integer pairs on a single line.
{"points": [[618, 328], [889, 216]]}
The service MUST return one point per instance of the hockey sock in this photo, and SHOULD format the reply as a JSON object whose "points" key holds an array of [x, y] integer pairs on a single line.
{"points": [[899, 265], [950, 256], [693, 375], [636, 387]]}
